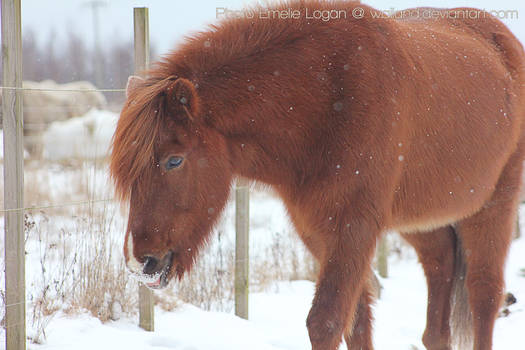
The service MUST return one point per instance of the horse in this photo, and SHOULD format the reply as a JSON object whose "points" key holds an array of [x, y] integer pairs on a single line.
{"points": [[362, 124]]}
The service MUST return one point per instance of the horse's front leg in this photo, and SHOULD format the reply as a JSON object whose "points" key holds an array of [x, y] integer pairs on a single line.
{"points": [[359, 334], [343, 273]]}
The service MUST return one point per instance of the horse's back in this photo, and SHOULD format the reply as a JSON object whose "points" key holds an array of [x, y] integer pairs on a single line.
{"points": [[469, 24]]}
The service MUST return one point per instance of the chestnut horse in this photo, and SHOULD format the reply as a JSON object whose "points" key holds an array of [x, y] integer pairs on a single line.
{"points": [[361, 125]]}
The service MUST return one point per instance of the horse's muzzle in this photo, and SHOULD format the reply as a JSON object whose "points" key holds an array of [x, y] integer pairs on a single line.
{"points": [[155, 273], [159, 270]]}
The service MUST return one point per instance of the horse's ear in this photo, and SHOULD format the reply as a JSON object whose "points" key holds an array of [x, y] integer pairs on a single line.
{"points": [[182, 98], [133, 82]]}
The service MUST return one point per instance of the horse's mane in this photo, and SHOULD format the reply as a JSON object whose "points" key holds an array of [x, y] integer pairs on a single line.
{"points": [[232, 40]]}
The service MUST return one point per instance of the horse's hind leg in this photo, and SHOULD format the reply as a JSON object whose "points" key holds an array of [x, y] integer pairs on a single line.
{"points": [[436, 252], [485, 239]]}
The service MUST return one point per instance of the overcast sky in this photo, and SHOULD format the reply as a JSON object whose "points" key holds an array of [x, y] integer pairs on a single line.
{"points": [[170, 20]]}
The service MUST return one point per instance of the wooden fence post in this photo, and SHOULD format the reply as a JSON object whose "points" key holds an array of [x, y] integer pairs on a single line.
{"points": [[13, 176], [242, 226], [141, 44]]}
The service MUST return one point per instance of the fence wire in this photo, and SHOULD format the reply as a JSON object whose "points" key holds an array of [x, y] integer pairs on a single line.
{"points": [[14, 88], [56, 205], [59, 90]]}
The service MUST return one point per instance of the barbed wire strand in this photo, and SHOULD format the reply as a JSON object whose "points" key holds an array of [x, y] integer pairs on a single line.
{"points": [[68, 108], [19, 303], [59, 90], [57, 205]]}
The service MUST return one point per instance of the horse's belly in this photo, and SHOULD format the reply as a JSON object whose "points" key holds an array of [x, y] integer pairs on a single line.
{"points": [[441, 185]]}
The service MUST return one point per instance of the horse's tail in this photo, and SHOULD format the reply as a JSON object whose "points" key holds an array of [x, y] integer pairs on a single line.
{"points": [[461, 316]]}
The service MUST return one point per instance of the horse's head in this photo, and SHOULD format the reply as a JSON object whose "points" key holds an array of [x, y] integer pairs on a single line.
{"points": [[174, 171]]}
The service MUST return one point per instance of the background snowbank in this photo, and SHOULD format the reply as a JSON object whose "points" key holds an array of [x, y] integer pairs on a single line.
{"points": [[85, 137]]}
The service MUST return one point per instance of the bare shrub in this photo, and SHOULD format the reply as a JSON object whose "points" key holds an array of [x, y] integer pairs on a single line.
{"points": [[80, 268], [285, 259], [78, 254], [210, 284], [102, 277], [48, 287]]}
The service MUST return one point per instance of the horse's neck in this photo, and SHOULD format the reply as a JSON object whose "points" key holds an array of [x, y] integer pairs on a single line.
{"points": [[263, 158]]}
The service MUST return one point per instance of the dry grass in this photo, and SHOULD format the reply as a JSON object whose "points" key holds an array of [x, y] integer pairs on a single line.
{"points": [[78, 267], [103, 282], [73, 252], [210, 283]]}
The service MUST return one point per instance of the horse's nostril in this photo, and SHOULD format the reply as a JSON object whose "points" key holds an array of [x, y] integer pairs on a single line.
{"points": [[150, 264]]}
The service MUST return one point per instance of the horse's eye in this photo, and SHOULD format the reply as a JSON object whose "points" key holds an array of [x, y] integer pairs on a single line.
{"points": [[174, 162]]}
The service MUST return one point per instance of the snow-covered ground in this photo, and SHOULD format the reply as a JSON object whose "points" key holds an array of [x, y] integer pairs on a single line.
{"points": [[277, 319]]}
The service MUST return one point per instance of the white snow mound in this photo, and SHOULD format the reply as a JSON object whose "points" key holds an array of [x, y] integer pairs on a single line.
{"points": [[85, 137]]}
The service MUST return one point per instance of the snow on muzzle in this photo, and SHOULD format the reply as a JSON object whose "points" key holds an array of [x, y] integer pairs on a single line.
{"points": [[153, 272]]}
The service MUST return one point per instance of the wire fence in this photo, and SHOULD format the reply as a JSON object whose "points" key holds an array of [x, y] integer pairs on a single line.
{"points": [[7, 306], [51, 206], [59, 90], [14, 180], [42, 126]]}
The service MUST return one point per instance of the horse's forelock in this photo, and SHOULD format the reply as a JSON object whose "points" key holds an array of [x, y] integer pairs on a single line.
{"points": [[132, 157]]}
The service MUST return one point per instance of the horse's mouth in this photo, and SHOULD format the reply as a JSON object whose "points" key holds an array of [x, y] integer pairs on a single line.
{"points": [[160, 279]]}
